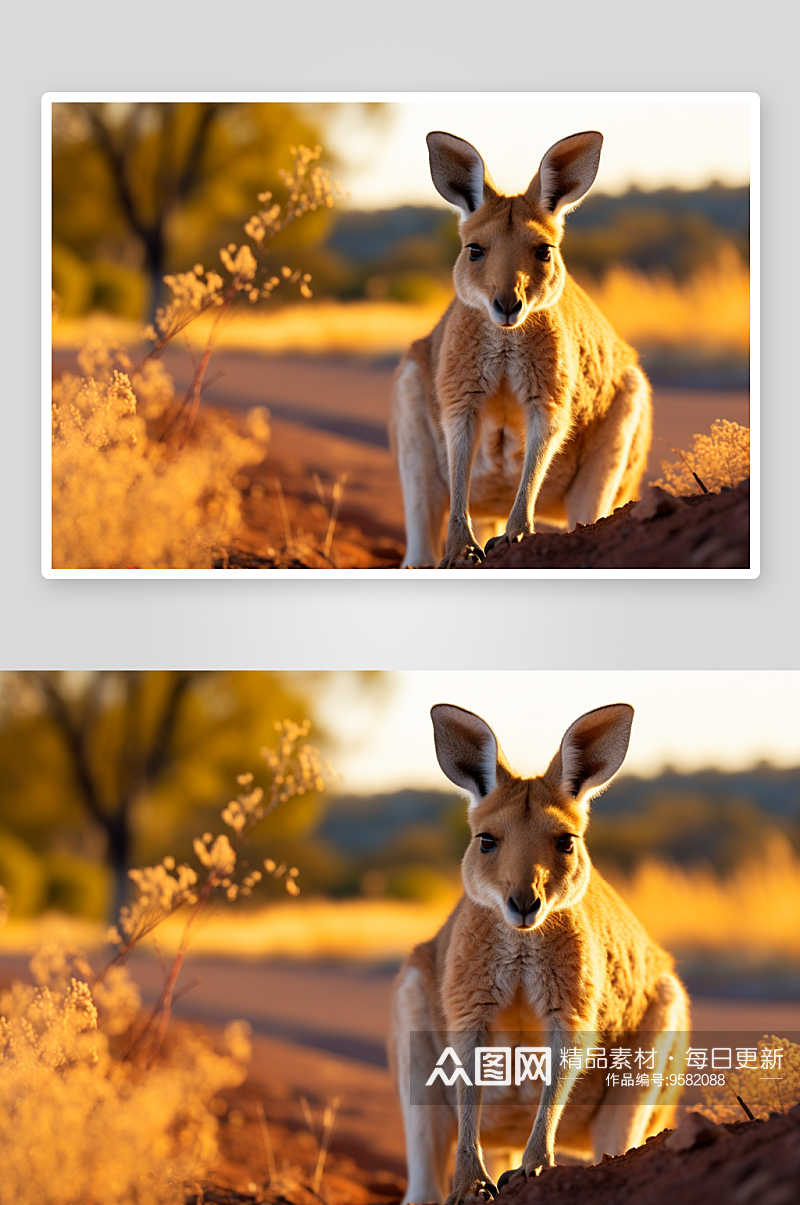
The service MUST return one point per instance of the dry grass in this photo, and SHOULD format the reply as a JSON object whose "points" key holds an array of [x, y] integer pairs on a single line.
{"points": [[761, 1095], [125, 495], [687, 910], [369, 328], [752, 913], [367, 930], [95, 1105], [719, 460], [80, 1121], [709, 313]]}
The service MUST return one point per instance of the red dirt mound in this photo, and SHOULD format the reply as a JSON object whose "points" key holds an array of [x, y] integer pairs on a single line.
{"points": [[705, 531], [746, 1163]]}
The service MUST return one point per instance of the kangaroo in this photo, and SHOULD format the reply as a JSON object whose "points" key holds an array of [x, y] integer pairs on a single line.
{"points": [[539, 943], [522, 398]]}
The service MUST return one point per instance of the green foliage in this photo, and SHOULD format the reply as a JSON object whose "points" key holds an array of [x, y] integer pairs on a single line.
{"points": [[76, 886], [150, 187], [680, 230], [686, 827], [154, 750], [418, 882], [22, 874], [72, 281], [83, 286], [117, 290], [365, 844]]}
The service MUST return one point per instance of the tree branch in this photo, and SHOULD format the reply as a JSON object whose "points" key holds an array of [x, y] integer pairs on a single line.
{"points": [[116, 162], [189, 177], [75, 739]]}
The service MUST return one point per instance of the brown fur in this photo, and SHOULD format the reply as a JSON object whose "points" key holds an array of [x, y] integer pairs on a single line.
{"points": [[538, 944], [522, 398]]}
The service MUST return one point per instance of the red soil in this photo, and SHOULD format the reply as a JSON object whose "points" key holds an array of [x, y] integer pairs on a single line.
{"points": [[748, 1162], [705, 531]]}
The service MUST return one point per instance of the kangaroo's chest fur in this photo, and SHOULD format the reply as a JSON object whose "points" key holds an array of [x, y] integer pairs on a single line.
{"points": [[566, 359], [593, 965]]}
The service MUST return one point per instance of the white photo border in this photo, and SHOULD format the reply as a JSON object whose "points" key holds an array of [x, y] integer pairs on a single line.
{"points": [[516, 98]]}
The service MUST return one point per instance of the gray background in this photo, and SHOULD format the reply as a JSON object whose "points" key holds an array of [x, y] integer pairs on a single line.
{"points": [[460, 622]]}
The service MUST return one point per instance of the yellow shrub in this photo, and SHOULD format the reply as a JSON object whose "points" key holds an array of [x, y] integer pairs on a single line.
{"points": [[719, 459], [79, 1122], [125, 499], [761, 1094]]}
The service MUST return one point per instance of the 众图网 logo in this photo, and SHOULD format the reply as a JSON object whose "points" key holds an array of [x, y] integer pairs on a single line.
{"points": [[493, 1066]]}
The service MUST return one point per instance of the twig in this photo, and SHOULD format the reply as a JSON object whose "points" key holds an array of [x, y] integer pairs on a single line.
{"points": [[162, 964], [284, 513], [689, 467], [308, 1115], [744, 1106], [190, 349], [338, 494], [686, 464], [328, 1122], [318, 486], [267, 1139], [193, 983]]}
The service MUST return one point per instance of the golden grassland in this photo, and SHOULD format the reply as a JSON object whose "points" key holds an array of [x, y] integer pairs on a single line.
{"points": [[752, 913], [710, 313]]}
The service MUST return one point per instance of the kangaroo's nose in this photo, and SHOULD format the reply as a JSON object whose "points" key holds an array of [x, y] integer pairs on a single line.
{"points": [[507, 307], [525, 907]]}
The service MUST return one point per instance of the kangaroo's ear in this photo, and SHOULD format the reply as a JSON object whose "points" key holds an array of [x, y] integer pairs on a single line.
{"points": [[592, 751], [459, 172], [468, 751], [566, 173]]}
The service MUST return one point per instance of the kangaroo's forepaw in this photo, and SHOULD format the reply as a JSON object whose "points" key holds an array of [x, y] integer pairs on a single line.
{"points": [[512, 1173], [481, 1190], [462, 557], [505, 538]]}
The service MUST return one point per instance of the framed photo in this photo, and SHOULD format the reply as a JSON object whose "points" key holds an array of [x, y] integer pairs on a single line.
{"points": [[396, 334], [193, 894]]}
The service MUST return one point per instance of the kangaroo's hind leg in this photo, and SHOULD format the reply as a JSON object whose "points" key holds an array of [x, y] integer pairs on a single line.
{"points": [[627, 1116], [422, 474], [615, 454], [430, 1129]]}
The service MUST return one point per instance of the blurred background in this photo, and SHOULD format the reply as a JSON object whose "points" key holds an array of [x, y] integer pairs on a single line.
{"points": [[662, 240], [140, 190], [101, 772]]}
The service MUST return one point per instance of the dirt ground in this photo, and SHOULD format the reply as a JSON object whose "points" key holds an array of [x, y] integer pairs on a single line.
{"points": [[742, 1163], [329, 418], [366, 1161], [318, 1034], [705, 531]]}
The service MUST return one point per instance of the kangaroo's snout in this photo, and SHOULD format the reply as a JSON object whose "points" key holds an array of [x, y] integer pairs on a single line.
{"points": [[506, 309], [522, 909]]}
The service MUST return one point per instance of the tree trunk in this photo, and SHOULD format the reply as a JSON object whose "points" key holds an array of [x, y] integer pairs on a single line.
{"points": [[154, 252], [119, 844]]}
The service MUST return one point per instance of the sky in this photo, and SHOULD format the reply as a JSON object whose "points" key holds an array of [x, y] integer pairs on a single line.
{"points": [[649, 141], [688, 719]]}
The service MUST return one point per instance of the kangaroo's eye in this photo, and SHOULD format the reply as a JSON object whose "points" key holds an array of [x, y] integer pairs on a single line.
{"points": [[488, 843], [565, 843], [543, 253], [475, 252]]}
